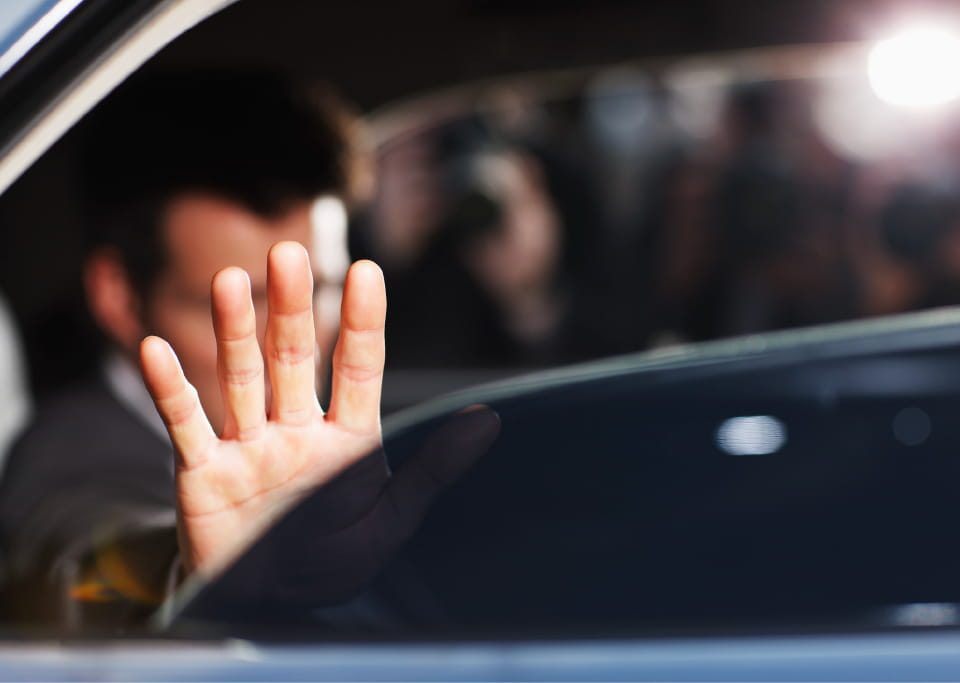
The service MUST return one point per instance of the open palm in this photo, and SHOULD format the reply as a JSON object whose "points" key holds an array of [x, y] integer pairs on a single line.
{"points": [[230, 488]]}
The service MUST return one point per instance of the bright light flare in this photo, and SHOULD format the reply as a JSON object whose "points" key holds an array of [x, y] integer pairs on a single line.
{"points": [[917, 68]]}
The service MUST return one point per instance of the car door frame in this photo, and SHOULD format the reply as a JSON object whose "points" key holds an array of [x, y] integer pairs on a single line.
{"points": [[80, 58]]}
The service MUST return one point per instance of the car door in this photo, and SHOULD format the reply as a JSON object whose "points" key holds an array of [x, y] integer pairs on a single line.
{"points": [[795, 478]]}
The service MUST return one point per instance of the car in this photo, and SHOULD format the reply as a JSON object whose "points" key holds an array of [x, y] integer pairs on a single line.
{"points": [[758, 488]]}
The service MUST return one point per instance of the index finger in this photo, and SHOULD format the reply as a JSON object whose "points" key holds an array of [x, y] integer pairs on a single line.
{"points": [[358, 359]]}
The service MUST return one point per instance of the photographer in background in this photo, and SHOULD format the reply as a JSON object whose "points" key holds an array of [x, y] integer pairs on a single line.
{"points": [[920, 231], [492, 259]]}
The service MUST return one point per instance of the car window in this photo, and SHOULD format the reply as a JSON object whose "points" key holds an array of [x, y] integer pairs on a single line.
{"points": [[726, 488]]}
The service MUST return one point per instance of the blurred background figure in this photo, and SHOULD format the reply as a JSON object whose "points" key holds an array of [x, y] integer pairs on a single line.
{"points": [[775, 223], [488, 244], [513, 252], [920, 227]]}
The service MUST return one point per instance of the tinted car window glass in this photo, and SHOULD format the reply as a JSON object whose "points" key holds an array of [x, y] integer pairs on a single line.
{"points": [[715, 493]]}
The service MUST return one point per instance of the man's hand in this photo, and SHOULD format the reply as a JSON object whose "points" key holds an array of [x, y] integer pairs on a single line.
{"points": [[230, 488]]}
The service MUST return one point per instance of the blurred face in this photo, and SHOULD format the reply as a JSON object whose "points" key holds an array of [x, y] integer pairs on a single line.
{"points": [[523, 254], [205, 234]]}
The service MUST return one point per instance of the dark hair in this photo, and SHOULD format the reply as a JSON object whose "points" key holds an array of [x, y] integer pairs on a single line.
{"points": [[262, 141]]}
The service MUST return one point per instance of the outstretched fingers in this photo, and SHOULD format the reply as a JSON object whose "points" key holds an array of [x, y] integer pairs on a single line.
{"points": [[291, 337], [239, 360], [359, 356], [176, 401]]}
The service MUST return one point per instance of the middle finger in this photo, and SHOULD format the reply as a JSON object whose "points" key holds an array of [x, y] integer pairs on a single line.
{"points": [[239, 360], [291, 338]]}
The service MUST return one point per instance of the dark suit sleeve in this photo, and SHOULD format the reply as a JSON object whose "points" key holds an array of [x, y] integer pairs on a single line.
{"points": [[86, 508]]}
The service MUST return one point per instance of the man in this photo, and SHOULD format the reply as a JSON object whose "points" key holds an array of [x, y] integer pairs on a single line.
{"points": [[187, 178]]}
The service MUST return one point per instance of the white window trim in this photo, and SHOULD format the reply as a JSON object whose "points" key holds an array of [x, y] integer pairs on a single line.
{"points": [[36, 33]]}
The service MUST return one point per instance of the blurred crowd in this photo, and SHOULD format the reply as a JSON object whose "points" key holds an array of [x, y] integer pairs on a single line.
{"points": [[520, 229], [529, 232]]}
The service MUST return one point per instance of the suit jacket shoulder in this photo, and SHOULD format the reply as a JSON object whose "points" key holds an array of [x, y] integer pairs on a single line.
{"points": [[85, 469]]}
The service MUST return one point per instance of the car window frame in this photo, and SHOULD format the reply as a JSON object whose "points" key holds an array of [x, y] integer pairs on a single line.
{"points": [[67, 73]]}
